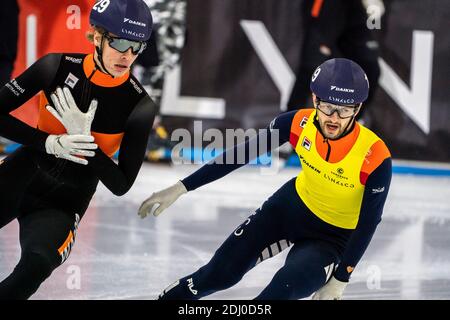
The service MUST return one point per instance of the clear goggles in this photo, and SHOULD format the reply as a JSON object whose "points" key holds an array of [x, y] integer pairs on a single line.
{"points": [[122, 45], [342, 111]]}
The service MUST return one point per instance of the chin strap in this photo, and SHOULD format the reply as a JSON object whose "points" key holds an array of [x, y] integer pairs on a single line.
{"points": [[316, 119], [349, 125], [100, 58]]}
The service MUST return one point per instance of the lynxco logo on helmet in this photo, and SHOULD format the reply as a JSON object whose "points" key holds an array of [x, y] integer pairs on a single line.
{"points": [[315, 74], [341, 101], [133, 33]]}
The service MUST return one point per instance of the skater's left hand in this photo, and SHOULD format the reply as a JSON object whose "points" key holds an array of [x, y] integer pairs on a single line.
{"points": [[67, 112], [332, 290], [161, 200]]}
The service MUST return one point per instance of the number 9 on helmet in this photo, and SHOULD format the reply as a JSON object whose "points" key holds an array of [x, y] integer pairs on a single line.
{"points": [[127, 19]]}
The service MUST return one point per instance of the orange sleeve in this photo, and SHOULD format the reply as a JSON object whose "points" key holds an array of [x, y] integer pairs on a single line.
{"points": [[315, 10], [108, 142], [299, 121], [376, 155], [46, 121]]}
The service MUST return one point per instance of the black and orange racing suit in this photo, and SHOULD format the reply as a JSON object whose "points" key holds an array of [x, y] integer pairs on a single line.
{"points": [[49, 195]]}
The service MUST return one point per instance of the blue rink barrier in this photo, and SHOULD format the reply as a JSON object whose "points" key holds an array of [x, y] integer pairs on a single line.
{"points": [[420, 171], [293, 161], [198, 155]]}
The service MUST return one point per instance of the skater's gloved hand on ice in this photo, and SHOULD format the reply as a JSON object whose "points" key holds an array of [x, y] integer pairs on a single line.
{"points": [[161, 200], [67, 112], [332, 290]]}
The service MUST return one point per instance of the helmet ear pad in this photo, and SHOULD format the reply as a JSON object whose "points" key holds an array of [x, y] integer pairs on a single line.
{"points": [[98, 38], [315, 99]]}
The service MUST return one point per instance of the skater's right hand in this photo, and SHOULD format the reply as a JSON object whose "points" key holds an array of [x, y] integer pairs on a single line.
{"points": [[161, 200], [332, 290]]}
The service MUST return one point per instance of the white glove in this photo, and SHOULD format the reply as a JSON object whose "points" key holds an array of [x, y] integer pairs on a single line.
{"points": [[332, 290], [69, 146], [163, 198], [67, 112]]}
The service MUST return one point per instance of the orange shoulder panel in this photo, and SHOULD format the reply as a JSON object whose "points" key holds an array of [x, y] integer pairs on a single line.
{"points": [[375, 156], [108, 142], [298, 124], [46, 121]]}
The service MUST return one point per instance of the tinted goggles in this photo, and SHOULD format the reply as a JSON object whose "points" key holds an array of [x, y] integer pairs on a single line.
{"points": [[122, 45]]}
